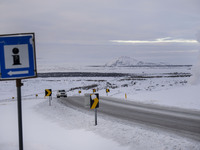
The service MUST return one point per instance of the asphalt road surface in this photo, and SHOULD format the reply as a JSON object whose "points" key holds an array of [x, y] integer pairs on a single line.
{"points": [[178, 120]]}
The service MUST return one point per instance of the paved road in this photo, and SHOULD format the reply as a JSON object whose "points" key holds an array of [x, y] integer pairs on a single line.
{"points": [[181, 120]]}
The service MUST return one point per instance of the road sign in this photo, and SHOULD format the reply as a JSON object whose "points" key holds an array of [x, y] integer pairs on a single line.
{"points": [[17, 56], [79, 92], [94, 101], [48, 92]]}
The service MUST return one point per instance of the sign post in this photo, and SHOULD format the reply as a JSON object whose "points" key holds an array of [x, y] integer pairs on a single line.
{"points": [[48, 92], [94, 104], [18, 61], [107, 91], [19, 104]]}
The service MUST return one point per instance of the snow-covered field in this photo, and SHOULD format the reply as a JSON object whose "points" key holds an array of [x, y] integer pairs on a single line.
{"points": [[168, 91], [60, 127], [79, 68], [45, 132]]}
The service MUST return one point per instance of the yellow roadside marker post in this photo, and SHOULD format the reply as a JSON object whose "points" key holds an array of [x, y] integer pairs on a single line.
{"points": [[79, 92], [125, 96]]}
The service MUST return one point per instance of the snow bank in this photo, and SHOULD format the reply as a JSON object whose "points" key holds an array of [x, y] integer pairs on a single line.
{"points": [[183, 97], [45, 133]]}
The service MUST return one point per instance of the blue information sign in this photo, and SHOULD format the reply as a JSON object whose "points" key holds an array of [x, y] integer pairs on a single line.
{"points": [[17, 56]]}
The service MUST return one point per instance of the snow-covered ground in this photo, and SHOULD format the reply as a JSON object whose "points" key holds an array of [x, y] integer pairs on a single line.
{"points": [[175, 92], [79, 68], [46, 132], [164, 91], [60, 127]]}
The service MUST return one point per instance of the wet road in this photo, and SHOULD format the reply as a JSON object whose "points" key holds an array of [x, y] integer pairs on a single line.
{"points": [[175, 119]]}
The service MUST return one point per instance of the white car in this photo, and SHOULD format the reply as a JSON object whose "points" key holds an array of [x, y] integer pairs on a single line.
{"points": [[61, 93]]}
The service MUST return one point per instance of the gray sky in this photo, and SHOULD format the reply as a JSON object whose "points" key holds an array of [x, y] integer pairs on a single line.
{"points": [[95, 31]]}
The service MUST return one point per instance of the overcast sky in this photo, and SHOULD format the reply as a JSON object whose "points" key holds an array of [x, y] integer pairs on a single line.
{"points": [[95, 31]]}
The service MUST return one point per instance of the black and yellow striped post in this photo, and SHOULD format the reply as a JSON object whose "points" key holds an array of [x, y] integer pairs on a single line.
{"points": [[94, 104], [48, 92]]}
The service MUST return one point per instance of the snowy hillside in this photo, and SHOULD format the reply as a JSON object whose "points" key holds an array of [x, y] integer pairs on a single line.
{"points": [[125, 61]]}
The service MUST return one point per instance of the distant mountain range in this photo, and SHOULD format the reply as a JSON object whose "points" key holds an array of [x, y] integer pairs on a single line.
{"points": [[125, 61]]}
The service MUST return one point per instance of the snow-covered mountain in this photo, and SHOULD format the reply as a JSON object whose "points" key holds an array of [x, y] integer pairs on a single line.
{"points": [[125, 61]]}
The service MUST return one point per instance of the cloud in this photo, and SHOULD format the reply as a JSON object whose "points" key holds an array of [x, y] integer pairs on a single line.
{"points": [[156, 41], [87, 26]]}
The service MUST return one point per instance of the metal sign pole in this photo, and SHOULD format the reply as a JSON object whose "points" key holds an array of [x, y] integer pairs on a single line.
{"points": [[18, 85], [95, 116], [49, 100], [94, 104]]}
